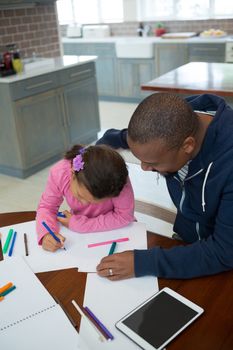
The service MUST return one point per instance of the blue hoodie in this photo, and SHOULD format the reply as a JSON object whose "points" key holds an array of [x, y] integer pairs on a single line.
{"points": [[204, 202]]}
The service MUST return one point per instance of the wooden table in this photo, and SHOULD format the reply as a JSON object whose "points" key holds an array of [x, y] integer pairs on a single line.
{"points": [[196, 78], [212, 331]]}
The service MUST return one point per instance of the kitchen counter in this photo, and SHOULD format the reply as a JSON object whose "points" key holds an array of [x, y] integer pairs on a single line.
{"points": [[58, 63], [150, 39]]}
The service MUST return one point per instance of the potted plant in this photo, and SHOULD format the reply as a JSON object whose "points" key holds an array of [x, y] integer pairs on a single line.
{"points": [[160, 30]]}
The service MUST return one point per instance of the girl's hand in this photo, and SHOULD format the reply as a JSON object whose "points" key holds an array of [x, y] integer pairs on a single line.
{"points": [[65, 221], [50, 244], [117, 266]]}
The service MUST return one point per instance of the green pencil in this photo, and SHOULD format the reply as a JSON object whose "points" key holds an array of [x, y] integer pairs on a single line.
{"points": [[6, 245], [113, 246]]}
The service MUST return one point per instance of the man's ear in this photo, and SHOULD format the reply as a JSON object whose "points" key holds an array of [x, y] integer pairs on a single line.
{"points": [[189, 145]]}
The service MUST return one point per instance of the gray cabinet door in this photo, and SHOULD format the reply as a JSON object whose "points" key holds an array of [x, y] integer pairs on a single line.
{"points": [[170, 56], [207, 52], [105, 63], [40, 127], [106, 77], [82, 115], [132, 73]]}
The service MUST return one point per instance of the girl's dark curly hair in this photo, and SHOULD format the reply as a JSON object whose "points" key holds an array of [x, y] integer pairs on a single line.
{"points": [[104, 173]]}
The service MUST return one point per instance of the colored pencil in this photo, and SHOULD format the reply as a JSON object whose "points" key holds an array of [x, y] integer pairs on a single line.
{"points": [[25, 244], [113, 246], [60, 214], [92, 245], [7, 291], [8, 239], [7, 286], [12, 244], [52, 233], [1, 298], [1, 252], [98, 323], [80, 311]]}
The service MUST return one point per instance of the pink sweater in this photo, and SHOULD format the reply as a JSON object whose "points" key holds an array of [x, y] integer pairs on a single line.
{"points": [[110, 214]]}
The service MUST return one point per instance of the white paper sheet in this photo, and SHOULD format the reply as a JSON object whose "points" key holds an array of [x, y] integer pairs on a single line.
{"points": [[76, 254], [110, 301], [30, 318], [39, 259], [90, 257]]}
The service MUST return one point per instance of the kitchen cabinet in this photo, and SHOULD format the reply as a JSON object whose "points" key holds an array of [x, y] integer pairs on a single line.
{"points": [[42, 116], [121, 78], [131, 74], [207, 52], [170, 56], [105, 63]]}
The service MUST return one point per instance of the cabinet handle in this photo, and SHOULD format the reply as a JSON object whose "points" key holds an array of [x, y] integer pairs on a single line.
{"points": [[76, 74], [63, 111], [66, 111], [34, 86]]}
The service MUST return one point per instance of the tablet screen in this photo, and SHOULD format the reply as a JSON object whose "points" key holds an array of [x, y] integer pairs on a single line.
{"points": [[160, 318]]}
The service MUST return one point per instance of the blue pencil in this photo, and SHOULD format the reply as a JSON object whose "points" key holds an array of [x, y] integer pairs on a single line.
{"points": [[51, 232], [12, 244], [60, 214]]}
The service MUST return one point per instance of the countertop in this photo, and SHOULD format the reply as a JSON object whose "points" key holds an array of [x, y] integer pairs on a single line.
{"points": [[150, 39], [57, 64]]}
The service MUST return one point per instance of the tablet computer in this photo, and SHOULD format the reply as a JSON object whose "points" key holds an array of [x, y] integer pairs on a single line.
{"points": [[154, 323]]}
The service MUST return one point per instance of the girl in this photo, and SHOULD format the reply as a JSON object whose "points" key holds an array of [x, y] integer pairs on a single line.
{"points": [[94, 181]]}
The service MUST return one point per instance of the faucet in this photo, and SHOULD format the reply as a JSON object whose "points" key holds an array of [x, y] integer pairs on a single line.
{"points": [[146, 30]]}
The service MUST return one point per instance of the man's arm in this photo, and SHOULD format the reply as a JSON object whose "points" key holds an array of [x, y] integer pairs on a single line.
{"points": [[114, 138]]}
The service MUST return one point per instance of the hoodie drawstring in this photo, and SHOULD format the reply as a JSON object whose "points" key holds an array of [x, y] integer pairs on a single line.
{"points": [[203, 187]]}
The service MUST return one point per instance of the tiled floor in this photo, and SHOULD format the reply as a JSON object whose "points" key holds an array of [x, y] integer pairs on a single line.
{"points": [[19, 195]]}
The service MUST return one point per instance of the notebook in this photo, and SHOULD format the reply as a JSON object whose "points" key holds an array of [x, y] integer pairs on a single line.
{"points": [[30, 318]]}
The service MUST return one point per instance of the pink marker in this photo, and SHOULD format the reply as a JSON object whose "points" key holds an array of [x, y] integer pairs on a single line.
{"points": [[92, 245]]}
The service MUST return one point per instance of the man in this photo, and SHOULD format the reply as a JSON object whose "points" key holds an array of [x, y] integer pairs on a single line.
{"points": [[193, 149]]}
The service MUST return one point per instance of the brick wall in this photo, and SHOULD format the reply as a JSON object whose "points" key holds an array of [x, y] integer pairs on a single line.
{"points": [[32, 29]]}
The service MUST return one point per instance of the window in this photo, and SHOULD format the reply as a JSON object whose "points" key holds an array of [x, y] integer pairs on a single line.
{"points": [[184, 9], [89, 11]]}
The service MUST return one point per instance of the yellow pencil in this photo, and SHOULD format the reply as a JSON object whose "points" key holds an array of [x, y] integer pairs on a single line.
{"points": [[1, 298]]}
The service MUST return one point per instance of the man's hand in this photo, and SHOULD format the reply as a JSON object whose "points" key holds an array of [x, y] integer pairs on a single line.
{"points": [[117, 266], [65, 221], [50, 244]]}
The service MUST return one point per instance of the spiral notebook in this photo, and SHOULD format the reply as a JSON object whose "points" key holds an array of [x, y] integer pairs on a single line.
{"points": [[29, 316]]}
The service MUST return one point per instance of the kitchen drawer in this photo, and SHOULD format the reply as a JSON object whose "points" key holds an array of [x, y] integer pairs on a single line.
{"points": [[76, 49], [33, 86], [81, 72], [106, 50], [211, 52]]}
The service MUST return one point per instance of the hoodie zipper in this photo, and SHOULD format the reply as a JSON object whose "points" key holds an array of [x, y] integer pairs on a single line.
{"points": [[182, 187]]}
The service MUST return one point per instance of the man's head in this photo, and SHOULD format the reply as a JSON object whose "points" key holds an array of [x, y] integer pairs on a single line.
{"points": [[161, 133]]}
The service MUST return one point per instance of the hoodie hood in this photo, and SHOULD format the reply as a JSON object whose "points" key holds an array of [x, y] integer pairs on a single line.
{"points": [[218, 140]]}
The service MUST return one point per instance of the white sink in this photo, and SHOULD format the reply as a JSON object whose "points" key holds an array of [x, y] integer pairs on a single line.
{"points": [[134, 48], [35, 64]]}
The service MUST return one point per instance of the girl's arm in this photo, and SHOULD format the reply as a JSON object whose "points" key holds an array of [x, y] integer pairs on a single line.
{"points": [[121, 215], [49, 204]]}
